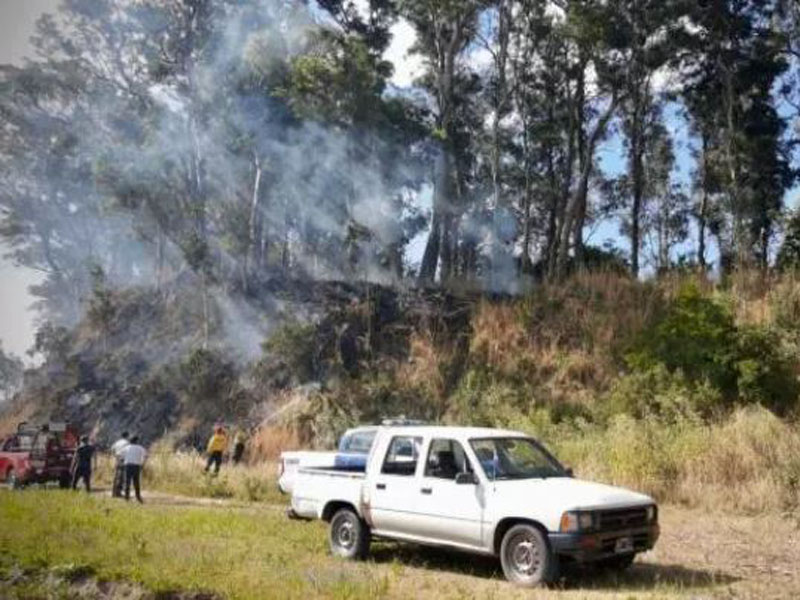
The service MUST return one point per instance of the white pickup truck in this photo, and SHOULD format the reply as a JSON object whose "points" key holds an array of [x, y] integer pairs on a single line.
{"points": [[487, 491]]}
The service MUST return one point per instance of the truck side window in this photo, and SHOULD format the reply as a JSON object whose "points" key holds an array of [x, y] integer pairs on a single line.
{"points": [[402, 455], [446, 459]]}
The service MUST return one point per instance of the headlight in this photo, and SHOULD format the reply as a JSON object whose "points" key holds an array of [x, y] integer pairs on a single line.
{"points": [[652, 513], [574, 521]]}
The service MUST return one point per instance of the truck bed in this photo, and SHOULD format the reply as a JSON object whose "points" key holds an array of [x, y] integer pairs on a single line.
{"points": [[315, 486]]}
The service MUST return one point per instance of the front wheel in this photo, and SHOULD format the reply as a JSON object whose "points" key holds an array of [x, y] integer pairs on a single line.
{"points": [[349, 535], [526, 557]]}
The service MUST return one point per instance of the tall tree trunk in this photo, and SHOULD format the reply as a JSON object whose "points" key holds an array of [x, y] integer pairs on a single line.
{"points": [[580, 133], [582, 188], [703, 212], [254, 241], [430, 258]]}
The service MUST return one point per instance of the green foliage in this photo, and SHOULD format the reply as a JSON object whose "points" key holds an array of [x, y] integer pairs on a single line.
{"points": [[696, 335], [764, 370], [698, 338], [53, 343], [11, 371], [290, 352], [207, 379], [482, 400], [657, 391], [101, 310], [789, 253]]}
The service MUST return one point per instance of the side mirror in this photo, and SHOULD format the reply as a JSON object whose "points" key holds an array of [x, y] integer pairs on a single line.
{"points": [[569, 472], [466, 479]]}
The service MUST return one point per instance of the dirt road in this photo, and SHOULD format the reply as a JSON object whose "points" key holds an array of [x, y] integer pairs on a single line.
{"points": [[699, 555]]}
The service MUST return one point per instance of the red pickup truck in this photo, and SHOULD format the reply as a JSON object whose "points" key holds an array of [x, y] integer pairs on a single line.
{"points": [[38, 455]]}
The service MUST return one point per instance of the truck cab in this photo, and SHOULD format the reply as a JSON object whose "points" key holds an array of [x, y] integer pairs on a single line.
{"points": [[486, 491]]}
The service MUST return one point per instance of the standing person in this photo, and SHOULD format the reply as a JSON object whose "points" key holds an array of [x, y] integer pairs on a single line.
{"points": [[118, 450], [82, 464], [135, 455], [239, 441], [216, 447]]}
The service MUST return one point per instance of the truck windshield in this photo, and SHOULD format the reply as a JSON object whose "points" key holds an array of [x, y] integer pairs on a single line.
{"points": [[515, 458]]}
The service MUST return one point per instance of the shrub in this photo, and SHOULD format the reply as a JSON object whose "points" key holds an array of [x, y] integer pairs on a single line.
{"points": [[657, 391], [289, 355], [696, 335], [765, 373], [207, 379]]}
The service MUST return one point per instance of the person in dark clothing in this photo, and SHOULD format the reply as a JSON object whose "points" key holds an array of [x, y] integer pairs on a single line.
{"points": [[135, 456], [82, 464], [239, 441]]}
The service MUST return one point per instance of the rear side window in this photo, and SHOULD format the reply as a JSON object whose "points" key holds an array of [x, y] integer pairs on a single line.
{"points": [[357, 443], [402, 456], [446, 459]]}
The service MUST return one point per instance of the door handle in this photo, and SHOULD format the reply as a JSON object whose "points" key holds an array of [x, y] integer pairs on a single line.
{"points": [[380, 486], [426, 491]]}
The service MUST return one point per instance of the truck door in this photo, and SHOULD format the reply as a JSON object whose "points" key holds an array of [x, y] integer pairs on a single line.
{"points": [[396, 488], [452, 512]]}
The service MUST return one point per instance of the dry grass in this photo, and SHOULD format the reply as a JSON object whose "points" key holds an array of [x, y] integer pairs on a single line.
{"points": [[268, 441], [749, 463]]}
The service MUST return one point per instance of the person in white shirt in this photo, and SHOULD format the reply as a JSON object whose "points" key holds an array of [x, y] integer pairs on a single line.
{"points": [[118, 450], [135, 455]]}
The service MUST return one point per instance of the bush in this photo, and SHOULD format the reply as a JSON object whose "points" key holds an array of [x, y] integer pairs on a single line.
{"points": [[764, 370], [289, 356], [697, 337], [657, 391], [207, 380]]}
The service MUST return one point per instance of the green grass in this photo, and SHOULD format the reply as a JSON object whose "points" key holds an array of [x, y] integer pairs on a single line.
{"points": [[251, 553]]}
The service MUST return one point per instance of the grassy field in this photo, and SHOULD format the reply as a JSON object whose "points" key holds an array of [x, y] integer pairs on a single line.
{"points": [[57, 544]]}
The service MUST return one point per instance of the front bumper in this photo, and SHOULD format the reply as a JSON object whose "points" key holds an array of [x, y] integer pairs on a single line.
{"points": [[591, 546]]}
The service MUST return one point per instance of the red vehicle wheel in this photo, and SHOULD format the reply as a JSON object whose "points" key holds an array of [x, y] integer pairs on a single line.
{"points": [[12, 481]]}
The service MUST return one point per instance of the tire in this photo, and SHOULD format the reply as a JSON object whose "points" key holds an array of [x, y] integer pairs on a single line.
{"points": [[12, 481], [349, 535], [617, 563], [526, 557], [64, 482]]}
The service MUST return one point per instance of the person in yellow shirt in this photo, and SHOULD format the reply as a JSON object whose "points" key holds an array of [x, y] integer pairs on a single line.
{"points": [[216, 447]]}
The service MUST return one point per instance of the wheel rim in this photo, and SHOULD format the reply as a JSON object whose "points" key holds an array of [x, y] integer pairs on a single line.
{"points": [[344, 533], [524, 555]]}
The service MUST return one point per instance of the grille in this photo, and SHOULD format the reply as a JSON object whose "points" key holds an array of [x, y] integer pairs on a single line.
{"points": [[612, 520]]}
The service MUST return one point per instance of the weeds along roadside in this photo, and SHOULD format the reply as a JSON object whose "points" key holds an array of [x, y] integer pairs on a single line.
{"points": [[747, 463]]}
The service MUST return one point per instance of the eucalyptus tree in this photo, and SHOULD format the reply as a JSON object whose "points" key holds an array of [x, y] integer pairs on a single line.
{"points": [[445, 28], [733, 60]]}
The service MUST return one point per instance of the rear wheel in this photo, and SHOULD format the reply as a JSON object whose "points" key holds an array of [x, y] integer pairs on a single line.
{"points": [[349, 535], [64, 481], [526, 557], [12, 480]]}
